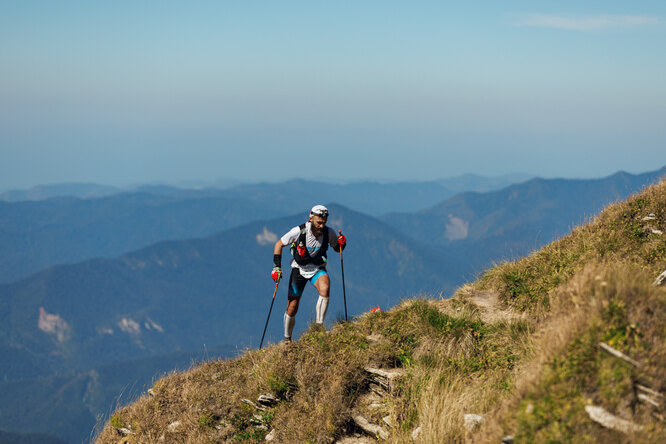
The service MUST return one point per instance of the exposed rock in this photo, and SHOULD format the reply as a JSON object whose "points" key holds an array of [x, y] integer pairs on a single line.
{"points": [[266, 237], [123, 431], [507, 439], [369, 428], [271, 436], [619, 354], [129, 326], [252, 404], [472, 421], [54, 325], [356, 439], [257, 419], [647, 400], [649, 391], [529, 409], [378, 390], [660, 279], [650, 216], [173, 426], [267, 399], [387, 420], [371, 400], [610, 421], [657, 232], [375, 337], [416, 432], [151, 392], [385, 378]]}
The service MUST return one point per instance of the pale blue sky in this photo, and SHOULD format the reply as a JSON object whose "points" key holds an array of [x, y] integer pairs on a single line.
{"points": [[134, 91]]}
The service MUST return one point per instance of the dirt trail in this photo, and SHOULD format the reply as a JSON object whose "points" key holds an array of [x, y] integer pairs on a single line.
{"points": [[489, 305]]}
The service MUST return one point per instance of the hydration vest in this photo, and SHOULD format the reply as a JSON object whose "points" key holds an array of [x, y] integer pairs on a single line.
{"points": [[300, 251]]}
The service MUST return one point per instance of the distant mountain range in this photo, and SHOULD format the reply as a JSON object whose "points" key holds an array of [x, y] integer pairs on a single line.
{"points": [[35, 235], [179, 295], [465, 182], [41, 192], [518, 219], [73, 335]]}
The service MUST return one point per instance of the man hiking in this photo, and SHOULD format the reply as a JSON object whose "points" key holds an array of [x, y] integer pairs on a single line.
{"points": [[308, 243]]}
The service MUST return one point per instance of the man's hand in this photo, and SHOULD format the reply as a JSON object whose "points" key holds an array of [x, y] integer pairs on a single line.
{"points": [[276, 274], [342, 240]]}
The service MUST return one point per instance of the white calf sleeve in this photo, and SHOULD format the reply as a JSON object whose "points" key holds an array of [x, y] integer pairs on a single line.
{"points": [[289, 323], [322, 306]]}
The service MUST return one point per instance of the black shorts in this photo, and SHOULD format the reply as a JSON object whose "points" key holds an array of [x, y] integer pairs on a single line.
{"points": [[297, 282]]}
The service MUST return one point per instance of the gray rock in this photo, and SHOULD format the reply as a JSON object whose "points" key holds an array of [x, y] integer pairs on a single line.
{"points": [[369, 428], [610, 421], [267, 399], [472, 421], [660, 279], [123, 431]]}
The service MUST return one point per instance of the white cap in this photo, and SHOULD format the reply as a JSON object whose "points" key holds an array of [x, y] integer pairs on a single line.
{"points": [[319, 210]]}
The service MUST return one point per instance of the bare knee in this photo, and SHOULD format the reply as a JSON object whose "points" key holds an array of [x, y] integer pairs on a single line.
{"points": [[292, 307]]}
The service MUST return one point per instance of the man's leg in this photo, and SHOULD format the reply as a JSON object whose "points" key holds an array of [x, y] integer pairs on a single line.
{"points": [[296, 286], [322, 284]]}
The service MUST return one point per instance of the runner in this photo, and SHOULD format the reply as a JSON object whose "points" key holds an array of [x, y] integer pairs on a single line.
{"points": [[308, 243]]}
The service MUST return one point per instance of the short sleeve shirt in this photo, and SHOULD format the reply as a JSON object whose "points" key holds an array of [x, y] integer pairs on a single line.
{"points": [[312, 243]]}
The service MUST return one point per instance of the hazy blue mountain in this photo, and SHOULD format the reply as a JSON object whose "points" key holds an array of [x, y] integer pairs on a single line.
{"points": [[28, 438], [70, 405], [482, 184], [371, 198], [41, 192], [177, 295], [37, 235], [513, 221]]}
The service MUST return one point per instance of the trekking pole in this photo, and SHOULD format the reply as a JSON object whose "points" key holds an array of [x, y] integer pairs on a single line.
{"points": [[342, 266], [269, 313]]}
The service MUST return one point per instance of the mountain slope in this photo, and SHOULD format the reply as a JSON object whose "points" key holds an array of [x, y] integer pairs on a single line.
{"points": [[62, 230], [179, 295], [41, 192], [37, 235], [515, 220], [520, 346]]}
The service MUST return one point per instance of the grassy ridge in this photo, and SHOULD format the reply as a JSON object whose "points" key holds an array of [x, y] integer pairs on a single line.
{"points": [[519, 346]]}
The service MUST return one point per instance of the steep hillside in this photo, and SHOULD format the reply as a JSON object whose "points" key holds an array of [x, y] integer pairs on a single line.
{"points": [[511, 222], [523, 349]]}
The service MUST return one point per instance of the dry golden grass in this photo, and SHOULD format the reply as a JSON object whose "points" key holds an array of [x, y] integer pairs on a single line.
{"points": [[519, 347]]}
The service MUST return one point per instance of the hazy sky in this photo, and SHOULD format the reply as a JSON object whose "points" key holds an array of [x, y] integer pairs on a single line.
{"points": [[121, 92]]}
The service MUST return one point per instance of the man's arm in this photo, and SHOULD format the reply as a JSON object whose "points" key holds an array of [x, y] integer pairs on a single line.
{"points": [[276, 274], [277, 253]]}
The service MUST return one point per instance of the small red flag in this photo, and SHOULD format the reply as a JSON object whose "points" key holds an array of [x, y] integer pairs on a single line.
{"points": [[375, 309]]}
